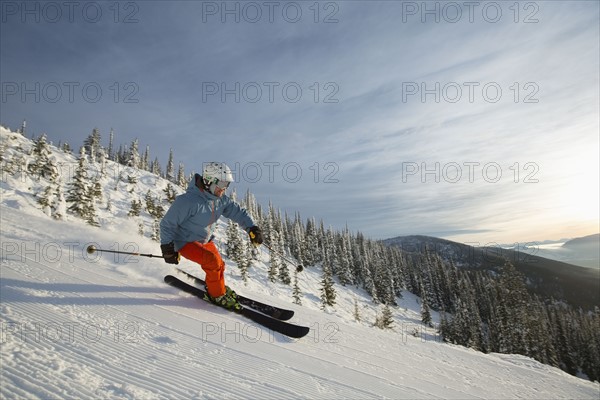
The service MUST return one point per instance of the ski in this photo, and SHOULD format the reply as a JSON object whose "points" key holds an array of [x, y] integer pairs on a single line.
{"points": [[272, 311], [285, 328]]}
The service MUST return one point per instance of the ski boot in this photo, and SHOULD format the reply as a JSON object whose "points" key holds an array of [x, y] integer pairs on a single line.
{"points": [[228, 300]]}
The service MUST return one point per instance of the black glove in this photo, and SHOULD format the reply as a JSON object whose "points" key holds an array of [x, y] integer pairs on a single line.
{"points": [[169, 253], [255, 234]]}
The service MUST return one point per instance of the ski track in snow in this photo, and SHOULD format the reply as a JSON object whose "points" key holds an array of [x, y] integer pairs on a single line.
{"points": [[78, 326]]}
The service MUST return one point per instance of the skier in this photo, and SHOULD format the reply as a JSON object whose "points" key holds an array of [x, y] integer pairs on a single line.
{"points": [[188, 226]]}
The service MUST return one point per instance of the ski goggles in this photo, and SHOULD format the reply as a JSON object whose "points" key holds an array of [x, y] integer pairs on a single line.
{"points": [[222, 184]]}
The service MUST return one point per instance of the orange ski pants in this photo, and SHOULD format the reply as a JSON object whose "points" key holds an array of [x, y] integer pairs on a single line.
{"points": [[211, 262]]}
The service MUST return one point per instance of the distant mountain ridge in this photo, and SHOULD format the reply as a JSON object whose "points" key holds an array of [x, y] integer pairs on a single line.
{"points": [[547, 278], [590, 240]]}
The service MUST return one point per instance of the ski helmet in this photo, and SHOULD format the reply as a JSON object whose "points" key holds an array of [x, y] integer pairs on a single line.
{"points": [[216, 174]]}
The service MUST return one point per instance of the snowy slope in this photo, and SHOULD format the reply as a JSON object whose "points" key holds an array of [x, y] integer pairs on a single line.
{"points": [[105, 326]]}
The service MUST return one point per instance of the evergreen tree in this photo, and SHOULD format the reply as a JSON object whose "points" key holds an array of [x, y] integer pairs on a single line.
{"points": [[145, 160], [272, 238], [155, 230], [170, 171], [96, 189], [512, 310], [58, 203], [91, 217], [539, 342], [245, 261], [23, 128], [356, 313], [565, 345], [66, 148], [153, 206], [249, 203], [80, 196], [135, 209], [284, 274], [102, 157], [274, 261], [386, 319], [170, 193], [155, 167], [328, 293], [425, 313], [42, 164], [235, 247], [44, 199], [133, 155], [181, 180], [296, 292], [92, 144], [111, 149], [131, 183], [108, 203], [343, 257]]}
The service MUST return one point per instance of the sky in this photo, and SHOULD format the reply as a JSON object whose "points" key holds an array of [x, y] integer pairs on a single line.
{"points": [[472, 121]]}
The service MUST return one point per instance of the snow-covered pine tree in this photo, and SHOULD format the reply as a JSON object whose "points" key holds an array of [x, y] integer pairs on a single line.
{"points": [[284, 273], [397, 270], [170, 171], [133, 155], [514, 301], [539, 342], [102, 157], [245, 261], [155, 167], [312, 243], [298, 240], [121, 155], [150, 204], [181, 179], [96, 190], [272, 235], [132, 181], [44, 199], [343, 256], [234, 243], [109, 206], [385, 320], [425, 312], [92, 144], [296, 292], [251, 205], [110, 153], [328, 293], [384, 284], [155, 230], [356, 313], [66, 148], [23, 128], [274, 259], [58, 206], [79, 195], [170, 193], [135, 209], [43, 165], [91, 216], [145, 160]]}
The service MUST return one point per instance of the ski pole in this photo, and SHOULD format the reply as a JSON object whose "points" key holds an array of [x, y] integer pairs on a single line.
{"points": [[299, 267], [92, 249]]}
